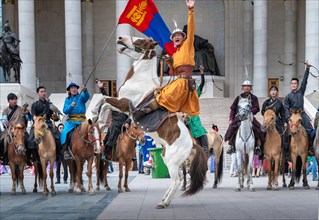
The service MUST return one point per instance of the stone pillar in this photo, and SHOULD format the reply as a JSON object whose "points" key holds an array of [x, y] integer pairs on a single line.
{"points": [[27, 45], [8, 13], [290, 55], [312, 42], [260, 48], [248, 40], [87, 43], [123, 63], [73, 41]]}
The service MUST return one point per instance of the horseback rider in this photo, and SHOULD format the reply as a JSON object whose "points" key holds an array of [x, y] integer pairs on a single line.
{"points": [[74, 107], [12, 41], [11, 116], [179, 95], [295, 100], [42, 108], [194, 122], [274, 103], [234, 122]]}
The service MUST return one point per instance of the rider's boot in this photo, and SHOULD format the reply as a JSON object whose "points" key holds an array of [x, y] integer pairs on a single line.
{"points": [[106, 153], [231, 149], [204, 144], [66, 152], [148, 107]]}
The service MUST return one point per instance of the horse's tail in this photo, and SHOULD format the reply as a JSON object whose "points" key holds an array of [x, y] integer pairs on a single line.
{"points": [[298, 169], [220, 166], [197, 172], [17, 172]]}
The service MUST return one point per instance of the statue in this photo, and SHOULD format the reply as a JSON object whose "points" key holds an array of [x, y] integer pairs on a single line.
{"points": [[204, 56], [9, 53]]}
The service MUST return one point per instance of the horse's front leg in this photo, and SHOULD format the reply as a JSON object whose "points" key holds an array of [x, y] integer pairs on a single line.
{"points": [[97, 167], [90, 186], [36, 171], [250, 170], [276, 172], [240, 171], [21, 177], [119, 185], [53, 192], [71, 165], [293, 172], [14, 177], [78, 190], [268, 161], [127, 189], [173, 171], [304, 168]]}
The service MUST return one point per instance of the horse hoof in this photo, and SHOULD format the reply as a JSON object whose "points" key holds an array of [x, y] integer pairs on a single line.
{"points": [[276, 189], [214, 186], [70, 191], [127, 190], [268, 188], [83, 190], [237, 189], [291, 188], [284, 185], [241, 186], [45, 193], [306, 187], [160, 206], [92, 193], [97, 188], [120, 190], [35, 190], [251, 189], [183, 188], [108, 188], [53, 193]]}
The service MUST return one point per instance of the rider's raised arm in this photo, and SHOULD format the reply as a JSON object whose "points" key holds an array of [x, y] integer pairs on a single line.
{"points": [[304, 82]]}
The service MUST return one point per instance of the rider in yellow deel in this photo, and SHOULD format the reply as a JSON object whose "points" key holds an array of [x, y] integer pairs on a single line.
{"points": [[179, 95]]}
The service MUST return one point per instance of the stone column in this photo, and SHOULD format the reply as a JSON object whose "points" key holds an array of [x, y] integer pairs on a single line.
{"points": [[312, 42], [73, 41], [8, 13], [260, 48], [27, 45], [87, 43], [290, 33], [123, 63], [248, 40]]}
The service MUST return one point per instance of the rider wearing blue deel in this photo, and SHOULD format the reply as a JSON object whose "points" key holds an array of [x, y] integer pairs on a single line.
{"points": [[74, 107]]}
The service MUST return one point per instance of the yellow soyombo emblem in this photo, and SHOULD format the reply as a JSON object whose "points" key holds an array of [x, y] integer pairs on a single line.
{"points": [[138, 13]]}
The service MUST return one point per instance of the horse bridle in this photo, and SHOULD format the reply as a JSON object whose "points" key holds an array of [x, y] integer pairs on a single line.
{"points": [[132, 136], [16, 146], [90, 140]]}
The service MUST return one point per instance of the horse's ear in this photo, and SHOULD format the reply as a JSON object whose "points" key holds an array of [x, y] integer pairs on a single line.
{"points": [[156, 43], [292, 111], [274, 109], [126, 125], [44, 117], [90, 121], [299, 110]]}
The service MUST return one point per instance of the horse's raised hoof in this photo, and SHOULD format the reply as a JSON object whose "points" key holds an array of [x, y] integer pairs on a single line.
{"points": [[306, 187], [127, 190], [183, 188], [120, 190], [214, 186], [161, 205], [70, 190], [237, 189]]}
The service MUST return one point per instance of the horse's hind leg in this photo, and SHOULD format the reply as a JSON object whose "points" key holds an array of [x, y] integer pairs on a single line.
{"points": [[184, 176], [276, 173], [105, 168], [173, 171]]}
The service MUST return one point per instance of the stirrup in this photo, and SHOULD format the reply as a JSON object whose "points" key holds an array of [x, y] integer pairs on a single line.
{"points": [[67, 155], [231, 150]]}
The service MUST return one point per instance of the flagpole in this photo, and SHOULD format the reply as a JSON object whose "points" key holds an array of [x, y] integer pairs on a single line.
{"points": [[102, 52]]}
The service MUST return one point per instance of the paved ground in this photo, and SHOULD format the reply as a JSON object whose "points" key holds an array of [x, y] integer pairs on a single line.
{"points": [[221, 203]]}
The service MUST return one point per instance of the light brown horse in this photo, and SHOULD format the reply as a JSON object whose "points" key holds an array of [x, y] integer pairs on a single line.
{"points": [[17, 157], [47, 150], [85, 142], [124, 153], [273, 149], [298, 149]]}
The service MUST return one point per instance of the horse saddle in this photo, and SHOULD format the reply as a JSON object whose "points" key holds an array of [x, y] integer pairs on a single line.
{"points": [[153, 120]]}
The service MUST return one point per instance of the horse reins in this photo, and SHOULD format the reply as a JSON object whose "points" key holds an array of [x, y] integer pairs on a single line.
{"points": [[87, 141]]}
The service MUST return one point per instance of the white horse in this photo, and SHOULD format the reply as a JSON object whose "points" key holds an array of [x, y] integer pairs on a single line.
{"points": [[245, 142], [172, 134]]}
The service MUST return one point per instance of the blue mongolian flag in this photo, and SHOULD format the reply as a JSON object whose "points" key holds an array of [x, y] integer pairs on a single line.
{"points": [[144, 16]]}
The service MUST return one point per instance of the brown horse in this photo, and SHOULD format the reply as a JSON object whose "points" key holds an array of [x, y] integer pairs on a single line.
{"points": [[85, 142], [17, 157], [298, 149], [124, 153], [272, 149], [47, 150]]}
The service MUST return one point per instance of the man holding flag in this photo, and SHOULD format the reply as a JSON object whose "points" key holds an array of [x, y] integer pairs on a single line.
{"points": [[179, 95]]}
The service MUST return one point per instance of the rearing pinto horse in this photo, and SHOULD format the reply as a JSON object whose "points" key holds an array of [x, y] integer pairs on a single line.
{"points": [[141, 80], [86, 141], [17, 157], [272, 149], [298, 149]]}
